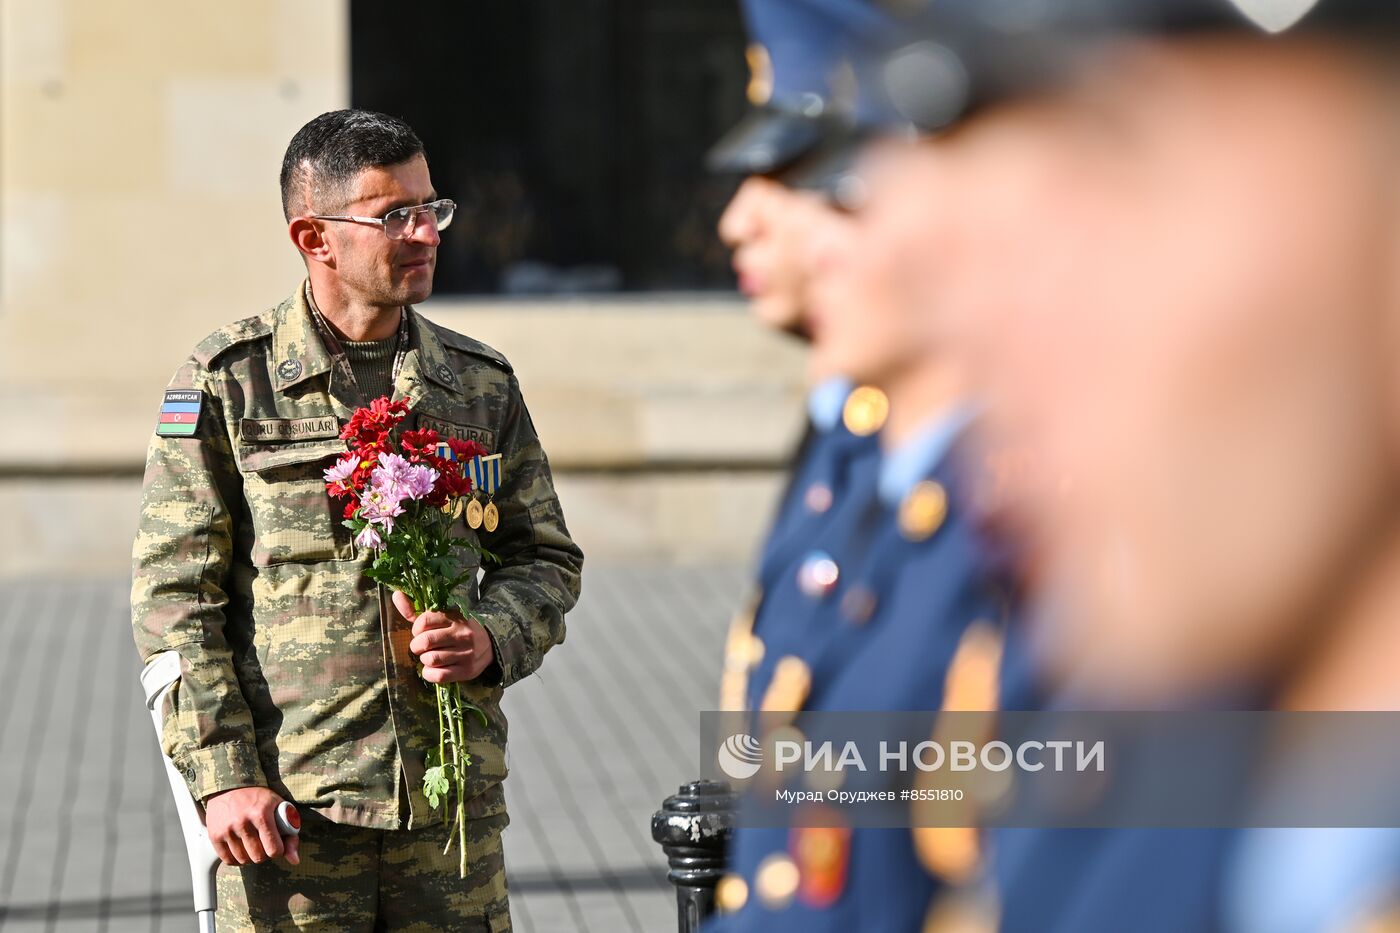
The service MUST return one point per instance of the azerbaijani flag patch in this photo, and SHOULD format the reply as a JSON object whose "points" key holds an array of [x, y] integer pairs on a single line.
{"points": [[179, 415]]}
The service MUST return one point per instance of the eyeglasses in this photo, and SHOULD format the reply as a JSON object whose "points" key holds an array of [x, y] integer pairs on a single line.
{"points": [[399, 224]]}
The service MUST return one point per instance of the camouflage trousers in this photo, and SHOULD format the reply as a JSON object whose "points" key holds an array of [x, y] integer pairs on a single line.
{"points": [[356, 879]]}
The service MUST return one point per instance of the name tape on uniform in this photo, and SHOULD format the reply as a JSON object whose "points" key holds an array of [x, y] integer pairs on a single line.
{"points": [[285, 429], [462, 432]]}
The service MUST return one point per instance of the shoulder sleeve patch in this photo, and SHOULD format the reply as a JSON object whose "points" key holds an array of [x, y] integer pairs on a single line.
{"points": [[179, 413], [475, 347]]}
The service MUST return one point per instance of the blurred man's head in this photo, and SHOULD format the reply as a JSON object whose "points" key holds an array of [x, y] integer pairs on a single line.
{"points": [[357, 164], [797, 55], [860, 320], [769, 227], [1175, 273]]}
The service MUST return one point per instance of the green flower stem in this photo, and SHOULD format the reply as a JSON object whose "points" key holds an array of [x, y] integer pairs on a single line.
{"points": [[418, 551], [442, 745], [460, 773]]}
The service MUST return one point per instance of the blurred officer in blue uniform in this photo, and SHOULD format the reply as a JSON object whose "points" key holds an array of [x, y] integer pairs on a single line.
{"points": [[767, 224], [1174, 276], [892, 599]]}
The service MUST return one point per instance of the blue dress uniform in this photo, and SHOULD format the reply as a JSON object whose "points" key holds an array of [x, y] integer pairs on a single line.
{"points": [[895, 600], [1090, 880], [837, 456]]}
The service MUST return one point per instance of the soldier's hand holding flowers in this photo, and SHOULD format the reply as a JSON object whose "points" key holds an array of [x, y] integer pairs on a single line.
{"points": [[451, 647]]}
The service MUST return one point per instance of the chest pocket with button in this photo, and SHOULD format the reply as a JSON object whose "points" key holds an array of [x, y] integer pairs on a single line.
{"points": [[294, 518]]}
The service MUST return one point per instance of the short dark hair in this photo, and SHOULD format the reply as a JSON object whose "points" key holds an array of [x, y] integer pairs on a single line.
{"points": [[327, 153]]}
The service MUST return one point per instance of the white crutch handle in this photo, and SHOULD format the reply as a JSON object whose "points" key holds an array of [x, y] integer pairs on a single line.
{"points": [[159, 675]]}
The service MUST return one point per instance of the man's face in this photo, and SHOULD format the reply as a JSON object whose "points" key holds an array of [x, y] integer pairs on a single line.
{"points": [[1173, 280], [371, 267], [864, 320], [768, 226]]}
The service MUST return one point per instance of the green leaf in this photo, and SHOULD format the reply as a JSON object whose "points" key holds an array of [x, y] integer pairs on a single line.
{"points": [[436, 785], [384, 576], [476, 709]]}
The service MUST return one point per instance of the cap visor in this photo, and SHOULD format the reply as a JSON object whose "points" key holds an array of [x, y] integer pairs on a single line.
{"points": [[765, 142], [831, 169]]}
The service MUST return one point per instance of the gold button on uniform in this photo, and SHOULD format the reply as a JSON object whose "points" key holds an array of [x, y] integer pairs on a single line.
{"points": [[922, 511], [777, 880], [731, 894], [866, 410]]}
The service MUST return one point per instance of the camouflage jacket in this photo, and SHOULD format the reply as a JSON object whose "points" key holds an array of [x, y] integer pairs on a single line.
{"points": [[296, 671]]}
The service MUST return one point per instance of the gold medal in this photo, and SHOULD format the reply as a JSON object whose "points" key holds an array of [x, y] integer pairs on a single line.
{"points": [[474, 514], [458, 507], [486, 478]]}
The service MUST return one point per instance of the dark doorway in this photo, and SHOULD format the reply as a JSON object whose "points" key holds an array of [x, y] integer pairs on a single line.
{"points": [[570, 132]]}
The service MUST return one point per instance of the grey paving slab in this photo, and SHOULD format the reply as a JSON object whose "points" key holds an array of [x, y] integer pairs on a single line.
{"points": [[606, 730], [126, 925]]}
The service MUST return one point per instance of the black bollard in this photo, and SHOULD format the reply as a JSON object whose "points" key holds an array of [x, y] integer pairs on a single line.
{"points": [[693, 828]]}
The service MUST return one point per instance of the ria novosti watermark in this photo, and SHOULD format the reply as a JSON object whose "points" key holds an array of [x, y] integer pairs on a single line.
{"points": [[741, 756]]}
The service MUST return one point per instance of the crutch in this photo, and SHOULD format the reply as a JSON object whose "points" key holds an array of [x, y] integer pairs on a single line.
{"points": [[157, 678]]}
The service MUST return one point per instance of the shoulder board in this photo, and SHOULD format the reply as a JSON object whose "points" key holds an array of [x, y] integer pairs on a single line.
{"points": [[466, 344], [231, 336]]}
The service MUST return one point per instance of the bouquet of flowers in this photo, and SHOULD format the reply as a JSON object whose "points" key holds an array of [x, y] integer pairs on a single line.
{"points": [[402, 501]]}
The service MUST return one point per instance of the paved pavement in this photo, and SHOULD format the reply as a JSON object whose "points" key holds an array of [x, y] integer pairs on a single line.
{"points": [[604, 732]]}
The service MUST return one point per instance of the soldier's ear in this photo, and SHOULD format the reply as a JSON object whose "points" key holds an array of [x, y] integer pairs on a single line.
{"points": [[309, 239]]}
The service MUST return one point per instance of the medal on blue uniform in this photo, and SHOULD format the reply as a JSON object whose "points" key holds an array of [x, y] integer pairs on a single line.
{"points": [[490, 482], [474, 510]]}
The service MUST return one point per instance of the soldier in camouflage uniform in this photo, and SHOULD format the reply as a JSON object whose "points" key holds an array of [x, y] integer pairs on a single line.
{"points": [[300, 676]]}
